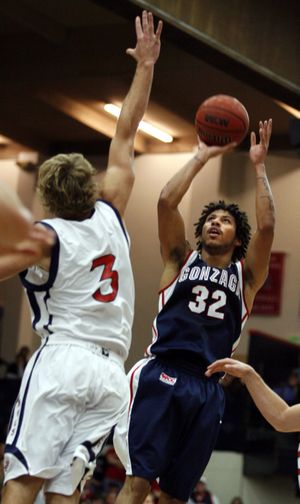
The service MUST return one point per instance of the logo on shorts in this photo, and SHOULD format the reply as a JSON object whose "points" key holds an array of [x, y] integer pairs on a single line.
{"points": [[167, 379]]}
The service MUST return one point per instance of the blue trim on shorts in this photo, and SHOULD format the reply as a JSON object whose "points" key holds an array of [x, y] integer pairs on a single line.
{"points": [[25, 396], [88, 446], [16, 452]]}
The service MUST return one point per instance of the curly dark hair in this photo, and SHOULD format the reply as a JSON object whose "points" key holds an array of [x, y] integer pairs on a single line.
{"points": [[243, 229]]}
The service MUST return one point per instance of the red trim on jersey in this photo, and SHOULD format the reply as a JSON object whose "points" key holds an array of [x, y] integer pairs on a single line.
{"points": [[298, 455], [243, 290], [154, 339], [131, 386], [175, 278]]}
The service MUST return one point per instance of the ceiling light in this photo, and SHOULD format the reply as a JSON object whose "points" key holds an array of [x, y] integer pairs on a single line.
{"points": [[144, 126], [289, 109], [4, 141]]}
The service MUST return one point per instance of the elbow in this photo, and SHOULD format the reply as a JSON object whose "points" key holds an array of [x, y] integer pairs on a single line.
{"points": [[267, 228], [279, 427], [280, 424], [164, 200], [266, 221]]}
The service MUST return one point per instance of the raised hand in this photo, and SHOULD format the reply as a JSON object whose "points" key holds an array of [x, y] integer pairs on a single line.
{"points": [[147, 48], [258, 152], [205, 152]]}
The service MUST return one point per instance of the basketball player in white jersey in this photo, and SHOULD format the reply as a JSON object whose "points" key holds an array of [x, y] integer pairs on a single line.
{"points": [[81, 295], [205, 298]]}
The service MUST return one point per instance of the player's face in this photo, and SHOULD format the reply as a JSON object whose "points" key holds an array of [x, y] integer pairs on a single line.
{"points": [[219, 232]]}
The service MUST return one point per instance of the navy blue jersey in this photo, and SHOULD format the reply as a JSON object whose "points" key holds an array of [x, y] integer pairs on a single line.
{"points": [[201, 312]]}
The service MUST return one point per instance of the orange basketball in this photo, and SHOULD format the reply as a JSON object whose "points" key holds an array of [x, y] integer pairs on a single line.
{"points": [[221, 119]]}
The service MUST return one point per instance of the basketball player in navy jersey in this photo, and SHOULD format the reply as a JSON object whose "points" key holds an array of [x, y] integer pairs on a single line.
{"points": [[81, 295], [205, 298]]}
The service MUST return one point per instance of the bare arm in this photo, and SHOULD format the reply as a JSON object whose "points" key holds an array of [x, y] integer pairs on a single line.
{"points": [[119, 178], [170, 223], [282, 417], [15, 219], [259, 250], [34, 250], [22, 243]]}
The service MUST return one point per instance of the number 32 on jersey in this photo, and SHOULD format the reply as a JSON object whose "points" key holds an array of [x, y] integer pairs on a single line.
{"points": [[210, 302]]}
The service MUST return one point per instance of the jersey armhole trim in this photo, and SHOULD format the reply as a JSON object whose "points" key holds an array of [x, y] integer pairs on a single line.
{"points": [[118, 215], [242, 263], [52, 270], [177, 275]]}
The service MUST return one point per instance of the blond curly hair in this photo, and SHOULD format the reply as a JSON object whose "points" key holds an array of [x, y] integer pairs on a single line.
{"points": [[66, 186]]}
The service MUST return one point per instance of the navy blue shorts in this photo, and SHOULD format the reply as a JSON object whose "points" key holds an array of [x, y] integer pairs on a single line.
{"points": [[174, 422]]}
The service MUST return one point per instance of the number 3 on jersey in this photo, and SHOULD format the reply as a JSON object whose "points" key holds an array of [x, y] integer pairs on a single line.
{"points": [[205, 302], [108, 273]]}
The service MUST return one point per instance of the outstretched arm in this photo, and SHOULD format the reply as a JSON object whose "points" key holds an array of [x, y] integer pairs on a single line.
{"points": [[170, 223], [119, 177], [15, 219], [259, 250], [275, 410], [21, 242]]}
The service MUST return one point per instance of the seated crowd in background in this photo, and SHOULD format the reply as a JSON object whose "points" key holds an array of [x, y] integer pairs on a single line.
{"points": [[109, 474]]}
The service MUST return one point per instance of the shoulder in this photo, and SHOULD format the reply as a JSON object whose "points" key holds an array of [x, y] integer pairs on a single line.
{"points": [[103, 206]]}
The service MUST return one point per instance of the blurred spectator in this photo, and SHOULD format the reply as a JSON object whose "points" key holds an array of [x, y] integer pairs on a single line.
{"points": [[201, 494], [107, 479], [290, 391], [1, 466], [16, 368], [236, 500], [113, 472], [111, 495], [3, 367]]}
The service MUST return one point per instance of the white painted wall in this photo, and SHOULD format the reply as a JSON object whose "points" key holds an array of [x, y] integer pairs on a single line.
{"points": [[232, 179], [225, 479]]}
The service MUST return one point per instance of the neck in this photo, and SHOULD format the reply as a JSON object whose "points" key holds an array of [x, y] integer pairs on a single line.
{"points": [[216, 260]]}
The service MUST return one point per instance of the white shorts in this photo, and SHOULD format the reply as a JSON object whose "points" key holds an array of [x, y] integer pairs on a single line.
{"points": [[70, 398]]}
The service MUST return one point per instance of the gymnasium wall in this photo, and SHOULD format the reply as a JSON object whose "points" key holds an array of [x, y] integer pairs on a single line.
{"points": [[231, 178]]}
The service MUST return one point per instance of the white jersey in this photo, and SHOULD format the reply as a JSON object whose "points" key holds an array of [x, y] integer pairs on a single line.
{"points": [[88, 293]]}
